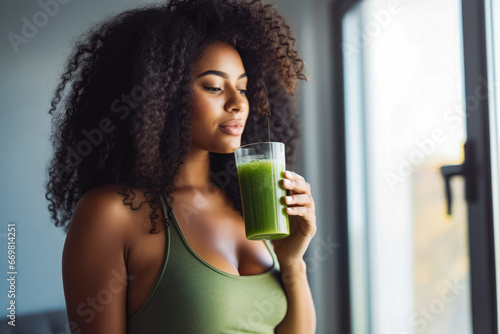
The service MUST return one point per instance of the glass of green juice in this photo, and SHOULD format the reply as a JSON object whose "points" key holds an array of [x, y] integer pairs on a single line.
{"points": [[260, 168]]}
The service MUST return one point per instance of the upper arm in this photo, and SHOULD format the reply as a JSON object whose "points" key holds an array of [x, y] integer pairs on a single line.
{"points": [[93, 265]]}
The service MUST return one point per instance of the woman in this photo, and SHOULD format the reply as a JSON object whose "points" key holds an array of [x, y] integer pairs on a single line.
{"points": [[161, 96]]}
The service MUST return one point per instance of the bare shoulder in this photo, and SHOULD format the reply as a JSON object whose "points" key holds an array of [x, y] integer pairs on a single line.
{"points": [[100, 222], [102, 210]]}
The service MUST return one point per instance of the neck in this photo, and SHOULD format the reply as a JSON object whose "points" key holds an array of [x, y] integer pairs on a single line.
{"points": [[195, 173]]}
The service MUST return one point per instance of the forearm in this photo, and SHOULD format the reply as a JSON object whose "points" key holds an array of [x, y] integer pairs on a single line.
{"points": [[301, 314]]}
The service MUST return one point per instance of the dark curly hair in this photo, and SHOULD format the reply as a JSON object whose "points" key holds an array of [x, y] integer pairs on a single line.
{"points": [[126, 119]]}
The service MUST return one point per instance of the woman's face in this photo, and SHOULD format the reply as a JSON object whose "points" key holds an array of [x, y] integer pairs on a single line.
{"points": [[218, 98]]}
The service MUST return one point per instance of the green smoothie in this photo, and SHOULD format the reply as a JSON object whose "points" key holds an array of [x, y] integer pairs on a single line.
{"points": [[261, 196]]}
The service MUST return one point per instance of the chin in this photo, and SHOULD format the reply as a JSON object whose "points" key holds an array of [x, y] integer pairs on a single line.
{"points": [[227, 149], [231, 150]]}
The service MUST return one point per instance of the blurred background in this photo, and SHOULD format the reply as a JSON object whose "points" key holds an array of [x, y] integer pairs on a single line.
{"points": [[403, 101]]}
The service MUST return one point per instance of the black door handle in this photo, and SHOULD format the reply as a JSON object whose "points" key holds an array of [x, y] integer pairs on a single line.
{"points": [[466, 169]]}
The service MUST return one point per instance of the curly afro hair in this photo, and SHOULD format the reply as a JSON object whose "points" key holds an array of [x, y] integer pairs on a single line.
{"points": [[125, 121]]}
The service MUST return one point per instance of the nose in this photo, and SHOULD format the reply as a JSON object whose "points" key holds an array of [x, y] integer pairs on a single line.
{"points": [[236, 101]]}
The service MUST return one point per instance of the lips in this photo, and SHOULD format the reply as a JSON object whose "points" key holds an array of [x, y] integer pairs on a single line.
{"points": [[232, 130], [233, 127]]}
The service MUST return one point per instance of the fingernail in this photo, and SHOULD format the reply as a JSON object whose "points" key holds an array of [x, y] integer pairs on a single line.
{"points": [[288, 173], [287, 182], [288, 198]]}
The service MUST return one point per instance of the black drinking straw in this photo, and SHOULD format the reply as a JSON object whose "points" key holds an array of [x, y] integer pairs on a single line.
{"points": [[268, 128]]}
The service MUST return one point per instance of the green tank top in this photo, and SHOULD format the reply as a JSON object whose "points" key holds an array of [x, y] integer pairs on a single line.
{"points": [[191, 296]]}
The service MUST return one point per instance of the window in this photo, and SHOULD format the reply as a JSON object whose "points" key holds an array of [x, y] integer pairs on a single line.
{"points": [[421, 258]]}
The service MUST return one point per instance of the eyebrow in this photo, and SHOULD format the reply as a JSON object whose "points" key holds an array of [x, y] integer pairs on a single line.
{"points": [[221, 74]]}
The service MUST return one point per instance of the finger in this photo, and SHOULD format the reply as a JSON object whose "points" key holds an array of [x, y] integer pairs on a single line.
{"points": [[301, 199], [298, 186], [293, 176], [303, 211], [308, 225]]}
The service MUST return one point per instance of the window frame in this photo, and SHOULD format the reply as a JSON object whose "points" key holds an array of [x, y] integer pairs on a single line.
{"points": [[480, 210]]}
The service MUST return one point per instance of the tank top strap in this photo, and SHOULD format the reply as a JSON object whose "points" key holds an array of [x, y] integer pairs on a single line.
{"points": [[270, 248], [171, 225], [167, 211]]}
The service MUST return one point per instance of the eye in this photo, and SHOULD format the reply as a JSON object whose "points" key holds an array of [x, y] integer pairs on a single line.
{"points": [[243, 92], [212, 89]]}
